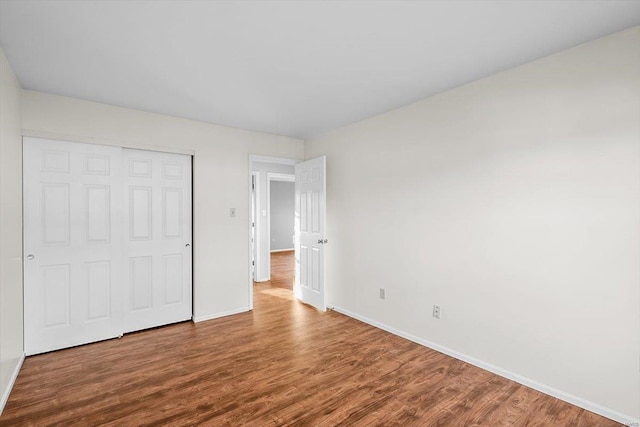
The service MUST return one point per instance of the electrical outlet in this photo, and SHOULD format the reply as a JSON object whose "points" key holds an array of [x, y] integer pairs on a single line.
{"points": [[436, 311], [382, 293]]}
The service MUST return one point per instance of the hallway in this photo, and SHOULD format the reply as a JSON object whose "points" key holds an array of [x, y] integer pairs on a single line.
{"points": [[282, 270]]}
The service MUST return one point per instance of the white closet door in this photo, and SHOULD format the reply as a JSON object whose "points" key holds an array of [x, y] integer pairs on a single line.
{"points": [[72, 244], [157, 265]]}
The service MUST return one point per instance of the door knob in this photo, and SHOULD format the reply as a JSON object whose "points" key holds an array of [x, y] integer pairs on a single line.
{"points": [[322, 242], [187, 245], [30, 257]]}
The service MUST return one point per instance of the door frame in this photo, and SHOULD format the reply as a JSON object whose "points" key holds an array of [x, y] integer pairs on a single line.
{"points": [[265, 159], [253, 224]]}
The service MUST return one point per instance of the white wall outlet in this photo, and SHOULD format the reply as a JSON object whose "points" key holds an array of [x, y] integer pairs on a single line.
{"points": [[232, 212], [382, 293], [436, 311]]}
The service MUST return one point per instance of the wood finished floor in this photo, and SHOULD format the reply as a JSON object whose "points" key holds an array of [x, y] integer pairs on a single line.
{"points": [[282, 364], [282, 270]]}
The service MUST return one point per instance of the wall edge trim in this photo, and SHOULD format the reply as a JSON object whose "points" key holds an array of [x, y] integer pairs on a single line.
{"points": [[34, 133], [543, 388], [10, 384], [198, 319]]}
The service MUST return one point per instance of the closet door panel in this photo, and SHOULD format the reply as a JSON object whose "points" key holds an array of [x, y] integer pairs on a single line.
{"points": [[72, 244], [157, 247]]}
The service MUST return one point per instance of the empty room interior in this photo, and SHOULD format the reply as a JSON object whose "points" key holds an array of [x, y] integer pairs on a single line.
{"points": [[320, 213]]}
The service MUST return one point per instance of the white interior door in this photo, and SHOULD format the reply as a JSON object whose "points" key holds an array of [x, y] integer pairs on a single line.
{"points": [[157, 268], [72, 244], [310, 226]]}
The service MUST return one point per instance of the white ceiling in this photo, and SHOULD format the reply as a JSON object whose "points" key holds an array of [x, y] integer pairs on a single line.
{"points": [[285, 67]]}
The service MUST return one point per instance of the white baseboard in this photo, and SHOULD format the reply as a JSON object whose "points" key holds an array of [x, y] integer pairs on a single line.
{"points": [[198, 319], [283, 250], [12, 381], [559, 394]]}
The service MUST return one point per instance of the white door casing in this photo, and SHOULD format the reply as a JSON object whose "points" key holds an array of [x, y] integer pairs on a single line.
{"points": [[253, 226], [310, 228], [72, 244], [157, 239]]}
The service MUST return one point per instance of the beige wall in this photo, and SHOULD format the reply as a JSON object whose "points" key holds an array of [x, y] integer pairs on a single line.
{"points": [[220, 180], [11, 348], [513, 204]]}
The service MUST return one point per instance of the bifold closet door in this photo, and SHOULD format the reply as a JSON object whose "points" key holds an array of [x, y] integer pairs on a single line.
{"points": [[157, 239], [72, 244]]}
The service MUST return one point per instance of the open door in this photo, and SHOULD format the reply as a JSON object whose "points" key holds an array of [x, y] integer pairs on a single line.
{"points": [[310, 214]]}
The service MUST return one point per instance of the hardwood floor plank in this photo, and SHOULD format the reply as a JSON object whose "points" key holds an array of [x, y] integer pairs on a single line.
{"points": [[282, 269], [284, 364]]}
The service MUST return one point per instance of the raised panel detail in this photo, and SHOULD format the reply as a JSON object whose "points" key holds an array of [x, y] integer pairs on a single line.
{"points": [[171, 170], [98, 289], [140, 168], [55, 214], [173, 277], [98, 217], [310, 190], [56, 287], [172, 212], [140, 213], [140, 281], [315, 212], [96, 164], [315, 269], [55, 161], [303, 212], [304, 250]]}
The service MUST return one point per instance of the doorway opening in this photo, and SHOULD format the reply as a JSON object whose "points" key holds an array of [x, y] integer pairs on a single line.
{"points": [[281, 228], [309, 239], [272, 179]]}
